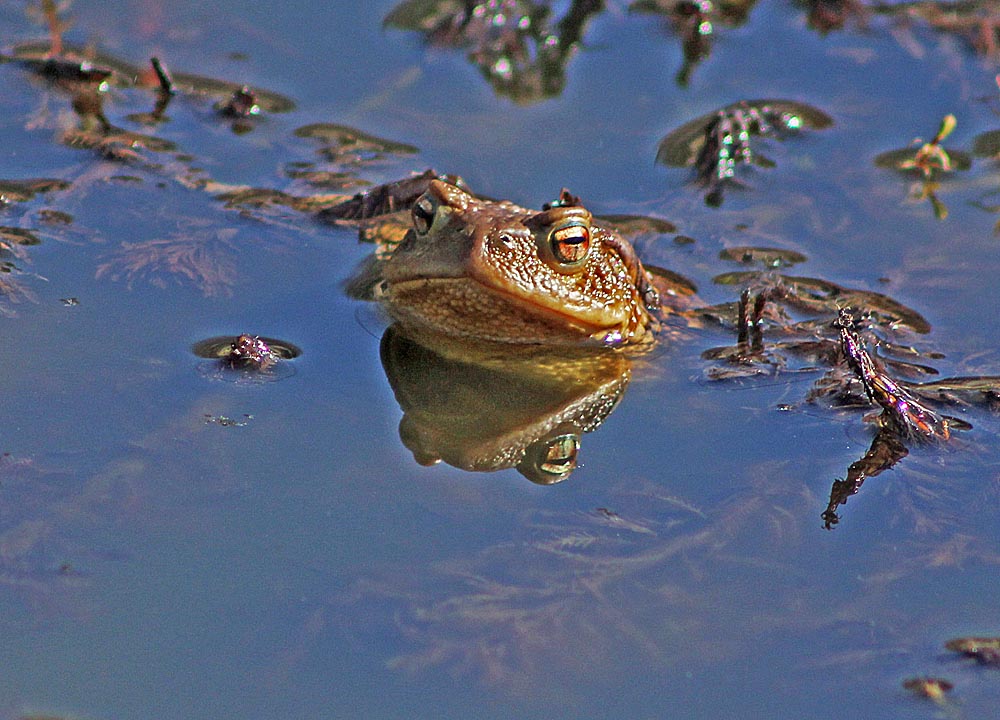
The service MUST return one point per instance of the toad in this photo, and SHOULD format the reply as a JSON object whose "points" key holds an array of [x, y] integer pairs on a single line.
{"points": [[494, 271]]}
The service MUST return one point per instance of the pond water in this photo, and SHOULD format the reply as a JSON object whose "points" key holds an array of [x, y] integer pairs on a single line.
{"points": [[179, 542]]}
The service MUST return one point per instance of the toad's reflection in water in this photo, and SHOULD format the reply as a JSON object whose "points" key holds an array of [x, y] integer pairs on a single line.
{"points": [[483, 407]]}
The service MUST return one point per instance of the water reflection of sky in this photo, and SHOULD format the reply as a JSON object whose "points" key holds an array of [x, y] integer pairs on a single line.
{"points": [[298, 563]]}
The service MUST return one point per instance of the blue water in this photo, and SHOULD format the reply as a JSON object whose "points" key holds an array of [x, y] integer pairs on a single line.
{"points": [[156, 564]]}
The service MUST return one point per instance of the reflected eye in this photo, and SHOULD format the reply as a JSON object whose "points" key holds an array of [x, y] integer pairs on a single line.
{"points": [[570, 244], [423, 215], [550, 460]]}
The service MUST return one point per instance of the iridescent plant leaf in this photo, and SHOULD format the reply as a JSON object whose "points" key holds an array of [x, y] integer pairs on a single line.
{"points": [[927, 158], [898, 160], [681, 147]]}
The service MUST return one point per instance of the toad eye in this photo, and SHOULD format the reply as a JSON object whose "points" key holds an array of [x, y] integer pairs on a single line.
{"points": [[423, 214], [569, 242]]}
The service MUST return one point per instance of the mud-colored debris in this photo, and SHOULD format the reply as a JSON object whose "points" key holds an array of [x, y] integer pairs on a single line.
{"points": [[974, 389], [241, 104], [226, 421], [381, 200], [249, 351], [931, 688], [973, 22], [12, 191], [816, 295], [773, 258], [54, 217], [635, 225], [351, 147], [12, 238], [984, 650], [120, 73], [825, 16], [325, 179], [987, 145], [262, 198]]}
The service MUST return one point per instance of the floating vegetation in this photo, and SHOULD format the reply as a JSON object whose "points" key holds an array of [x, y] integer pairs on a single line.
{"points": [[827, 15], [900, 409], [260, 198], [715, 143], [823, 296], [973, 21], [931, 688], [773, 258], [987, 145], [349, 146], [382, 200], [635, 225], [694, 21], [77, 63], [927, 159], [12, 191], [13, 238], [984, 650], [518, 46]]}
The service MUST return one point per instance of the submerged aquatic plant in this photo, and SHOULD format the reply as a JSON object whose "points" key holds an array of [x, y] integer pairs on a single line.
{"points": [[203, 257]]}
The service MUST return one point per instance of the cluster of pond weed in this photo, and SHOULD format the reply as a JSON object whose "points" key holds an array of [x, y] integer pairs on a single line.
{"points": [[522, 47]]}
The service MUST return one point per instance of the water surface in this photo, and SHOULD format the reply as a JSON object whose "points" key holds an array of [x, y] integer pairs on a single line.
{"points": [[157, 560]]}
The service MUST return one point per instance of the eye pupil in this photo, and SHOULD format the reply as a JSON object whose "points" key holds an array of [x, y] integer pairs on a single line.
{"points": [[570, 243], [423, 215]]}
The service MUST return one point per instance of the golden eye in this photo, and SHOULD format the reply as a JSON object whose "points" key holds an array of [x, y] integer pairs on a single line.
{"points": [[570, 244], [423, 214]]}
